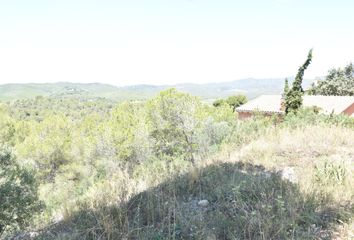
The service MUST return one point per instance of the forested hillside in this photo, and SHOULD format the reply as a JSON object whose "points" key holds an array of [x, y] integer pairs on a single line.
{"points": [[249, 87], [171, 167], [10, 92]]}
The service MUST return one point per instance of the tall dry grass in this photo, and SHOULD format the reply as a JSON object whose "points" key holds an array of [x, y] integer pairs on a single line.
{"points": [[247, 197]]}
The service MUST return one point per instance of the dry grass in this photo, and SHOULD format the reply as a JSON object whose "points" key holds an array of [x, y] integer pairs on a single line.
{"points": [[248, 199], [322, 157], [307, 150]]}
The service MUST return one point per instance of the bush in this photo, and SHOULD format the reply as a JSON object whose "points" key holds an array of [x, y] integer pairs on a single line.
{"points": [[219, 102], [174, 119], [309, 116], [18, 194], [232, 101], [7, 128]]}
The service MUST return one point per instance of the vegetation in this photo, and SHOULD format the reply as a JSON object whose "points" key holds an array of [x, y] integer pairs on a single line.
{"points": [[97, 91], [338, 82], [293, 98], [286, 87], [172, 167], [93, 91], [18, 193], [232, 101]]}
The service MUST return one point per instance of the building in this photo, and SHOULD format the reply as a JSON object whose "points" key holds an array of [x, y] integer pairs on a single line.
{"points": [[270, 105]]}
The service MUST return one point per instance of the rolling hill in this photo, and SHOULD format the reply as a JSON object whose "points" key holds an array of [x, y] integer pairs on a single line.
{"points": [[250, 87]]}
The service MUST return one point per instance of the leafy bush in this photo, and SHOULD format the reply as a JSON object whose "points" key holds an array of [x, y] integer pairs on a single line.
{"points": [[175, 118], [219, 102], [232, 101], [309, 116], [47, 144], [7, 126], [18, 193]]}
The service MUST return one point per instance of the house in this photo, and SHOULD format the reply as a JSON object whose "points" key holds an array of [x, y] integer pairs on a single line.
{"points": [[270, 105]]}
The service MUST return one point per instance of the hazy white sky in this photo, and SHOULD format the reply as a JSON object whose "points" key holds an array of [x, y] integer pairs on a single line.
{"points": [[170, 41]]}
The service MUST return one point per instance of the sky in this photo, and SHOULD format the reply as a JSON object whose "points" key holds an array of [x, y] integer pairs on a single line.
{"points": [[171, 41]]}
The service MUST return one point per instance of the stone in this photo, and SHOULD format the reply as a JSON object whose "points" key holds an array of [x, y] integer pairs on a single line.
{"points": [[288, 173], [203, 203], [211, 237], [58, 218]]}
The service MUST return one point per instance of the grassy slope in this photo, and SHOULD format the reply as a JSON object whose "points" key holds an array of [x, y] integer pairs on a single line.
{"points": [[248, 199]]}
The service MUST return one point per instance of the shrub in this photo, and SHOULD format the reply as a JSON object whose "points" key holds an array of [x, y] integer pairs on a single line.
{"points": [[18, 194], [174, 118], [219, 102], [310, 116], [232, 101], [7, 128]]}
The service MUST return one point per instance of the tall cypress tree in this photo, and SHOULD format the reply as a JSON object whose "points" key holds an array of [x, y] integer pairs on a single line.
{"points": [[286, 87], [293, 99]]}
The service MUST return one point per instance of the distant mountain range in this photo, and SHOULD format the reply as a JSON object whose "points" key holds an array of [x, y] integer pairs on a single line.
{"points": [[250, 87]]}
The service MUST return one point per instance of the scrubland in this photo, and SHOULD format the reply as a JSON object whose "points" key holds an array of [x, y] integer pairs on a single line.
{"points": [[175, 168]]}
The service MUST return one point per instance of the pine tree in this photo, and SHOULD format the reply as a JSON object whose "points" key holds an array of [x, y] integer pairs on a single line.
{"points": [[293, 98]]}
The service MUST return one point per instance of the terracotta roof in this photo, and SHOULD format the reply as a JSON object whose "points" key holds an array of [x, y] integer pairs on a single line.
{"points": [[271, 104]]}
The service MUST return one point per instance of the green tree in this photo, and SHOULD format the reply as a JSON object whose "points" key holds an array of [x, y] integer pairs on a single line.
{"points": [[7, 126], [174, 121], [18, 193], [219, 102], [293, 99], [130, 132], [286, 87], [232, 101], [338, 82], [47, 144], [236, 101]]}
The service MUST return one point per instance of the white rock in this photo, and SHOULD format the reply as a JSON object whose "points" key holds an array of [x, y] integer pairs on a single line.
{"points": [[33, 234], [58, 218], [211, 237], [203, 203], [289, 174]]}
